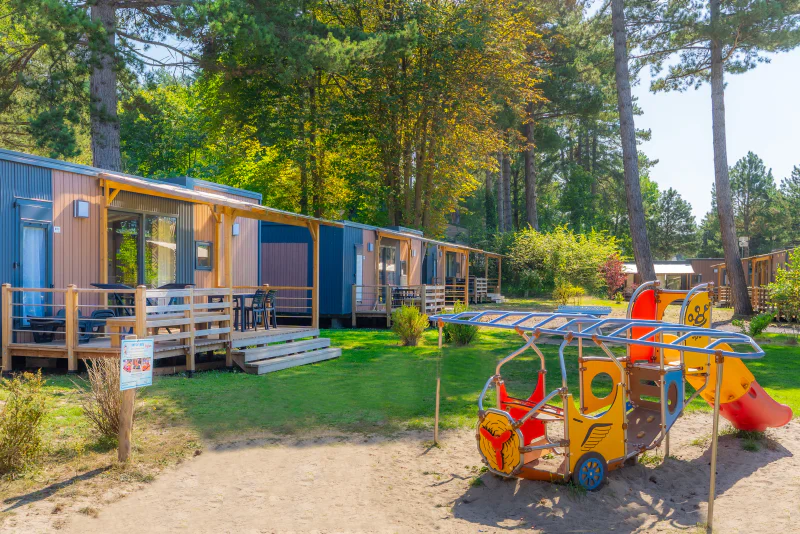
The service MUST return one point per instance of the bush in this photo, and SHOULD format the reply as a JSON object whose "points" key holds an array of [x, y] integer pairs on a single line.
{"points": [[409, 323], [565, 291], [613, 273], [756, 326], [102, 402], [460, 334], [540, 259], [20, 422], [784, 292]]}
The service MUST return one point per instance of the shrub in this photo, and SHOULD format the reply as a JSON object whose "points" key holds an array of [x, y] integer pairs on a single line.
{"points": [[20, 422], [102, 402], [409, 323], [565, 291], [613, 273], [756, 326], [460, 334], [619, 298], [784, 292], [539, 259]]}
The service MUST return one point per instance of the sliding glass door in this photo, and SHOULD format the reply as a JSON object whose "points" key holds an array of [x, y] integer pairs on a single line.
{"points": [[34, 256], [142, 249]]}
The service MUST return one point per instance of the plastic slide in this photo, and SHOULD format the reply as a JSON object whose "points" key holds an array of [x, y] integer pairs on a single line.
{"points": [[743, 401]]}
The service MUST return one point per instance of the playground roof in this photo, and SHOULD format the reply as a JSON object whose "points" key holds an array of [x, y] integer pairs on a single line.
{"points": [[662, 268]]}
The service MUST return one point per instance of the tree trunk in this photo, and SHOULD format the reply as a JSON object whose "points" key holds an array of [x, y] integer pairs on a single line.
{"points": [[501, 203], [515, 191], [312, 138], [103, 93], [507, 224], [531, 209], [633, 190], [727, 223], [490, 207]]}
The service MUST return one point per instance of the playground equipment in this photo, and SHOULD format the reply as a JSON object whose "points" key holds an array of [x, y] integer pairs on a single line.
{"points": [[648, 395]]}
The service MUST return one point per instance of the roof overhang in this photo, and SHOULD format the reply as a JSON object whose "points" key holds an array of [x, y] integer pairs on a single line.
{"points": [[661, 268]]}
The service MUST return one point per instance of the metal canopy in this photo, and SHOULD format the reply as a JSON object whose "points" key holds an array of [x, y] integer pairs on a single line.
{"points": [[618, 331]]}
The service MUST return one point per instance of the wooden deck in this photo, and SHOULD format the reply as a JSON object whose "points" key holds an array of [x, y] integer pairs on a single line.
{"points": [[101, 347]]}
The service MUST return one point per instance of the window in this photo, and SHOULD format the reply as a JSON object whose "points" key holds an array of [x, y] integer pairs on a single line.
{"points": [[203, 258], [142, 249], [388, 265]]}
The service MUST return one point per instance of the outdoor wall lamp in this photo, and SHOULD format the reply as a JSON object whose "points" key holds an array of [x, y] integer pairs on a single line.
{"points": [[413, 253], [80, 209], [236, 229], [370, 247]]}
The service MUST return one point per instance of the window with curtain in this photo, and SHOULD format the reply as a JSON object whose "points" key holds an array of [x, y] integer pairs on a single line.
{"points": [[161, 250]]}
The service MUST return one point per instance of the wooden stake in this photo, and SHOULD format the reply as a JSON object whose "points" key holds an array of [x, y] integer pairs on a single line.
{"points": [[438, 388], [7, 322], [714, 436], [125, 414]]}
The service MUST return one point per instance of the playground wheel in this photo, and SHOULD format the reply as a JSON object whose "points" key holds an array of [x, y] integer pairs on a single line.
{"points": [[590, 471]]}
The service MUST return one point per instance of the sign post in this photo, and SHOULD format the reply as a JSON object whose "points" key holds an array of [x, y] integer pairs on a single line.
{"points": [[135, 371]]}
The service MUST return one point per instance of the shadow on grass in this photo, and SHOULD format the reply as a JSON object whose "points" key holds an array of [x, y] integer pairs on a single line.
{"points": [[50, 490], [630, 493]]}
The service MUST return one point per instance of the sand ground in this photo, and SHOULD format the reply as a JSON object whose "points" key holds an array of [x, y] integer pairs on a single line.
{"points": [[401, 484]]}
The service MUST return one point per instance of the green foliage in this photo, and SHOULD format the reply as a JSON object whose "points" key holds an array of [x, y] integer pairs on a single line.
{"points": [[409, 323], [755, 326], [565, 291], [21, 422], [672, 228], [540, 259], [784, 292], [460, 334]]}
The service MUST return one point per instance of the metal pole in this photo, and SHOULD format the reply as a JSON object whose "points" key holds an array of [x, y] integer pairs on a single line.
{"points": [[712, 486], [438, 387]]}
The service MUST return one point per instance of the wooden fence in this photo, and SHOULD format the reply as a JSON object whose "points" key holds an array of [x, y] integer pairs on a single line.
{"points": [[78, 323]]}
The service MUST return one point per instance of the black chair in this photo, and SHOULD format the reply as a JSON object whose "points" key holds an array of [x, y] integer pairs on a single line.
{"points": [[257, 311], [235, 310], [269, 306], [94, 325]]}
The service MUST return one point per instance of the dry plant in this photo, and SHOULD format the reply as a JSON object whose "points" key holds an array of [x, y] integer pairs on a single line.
{"points": [[21, 421], [102, 402]]}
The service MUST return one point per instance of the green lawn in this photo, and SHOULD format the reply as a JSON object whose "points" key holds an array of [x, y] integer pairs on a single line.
{"points": [[379, 386]]}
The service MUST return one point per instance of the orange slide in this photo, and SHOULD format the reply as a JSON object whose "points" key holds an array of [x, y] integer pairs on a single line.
{"points": [[743, 401]]}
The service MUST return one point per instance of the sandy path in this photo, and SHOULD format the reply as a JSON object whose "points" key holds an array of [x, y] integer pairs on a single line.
{"points": [[380, 485]]}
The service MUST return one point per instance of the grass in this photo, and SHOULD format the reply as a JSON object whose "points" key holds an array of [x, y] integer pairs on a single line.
{"points": [[377, 386]]}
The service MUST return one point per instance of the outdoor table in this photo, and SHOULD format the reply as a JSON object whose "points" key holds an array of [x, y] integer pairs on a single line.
{"points": [[240, 299], [122, 301]]}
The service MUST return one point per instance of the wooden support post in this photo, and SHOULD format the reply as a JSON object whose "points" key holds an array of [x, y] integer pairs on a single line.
{"points": [[377, 258], [217, 249], [228, 255], [126, 424], [7, 323], [466, 279], [229, 325], [140, 312], [423, 299], [438, 387], [190, 355], [353, 307], [313, 227], [71, 327], [720, 360]]}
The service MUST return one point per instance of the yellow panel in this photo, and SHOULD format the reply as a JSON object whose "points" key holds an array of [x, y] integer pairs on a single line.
{"points": [[594, 368], [603, 434], [664, 300], [499, 443]]}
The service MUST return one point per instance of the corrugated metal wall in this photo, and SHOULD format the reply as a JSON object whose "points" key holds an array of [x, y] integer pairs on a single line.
{"points": [[352, 237], [184, 211], [18, 181], [286, 261], [76, 250], [331, 270]]}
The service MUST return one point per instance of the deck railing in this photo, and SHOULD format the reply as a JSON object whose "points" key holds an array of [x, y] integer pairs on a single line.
{"points": [[382, 300], [77, 323], [478, 289], [293, 304], [759, 299]]}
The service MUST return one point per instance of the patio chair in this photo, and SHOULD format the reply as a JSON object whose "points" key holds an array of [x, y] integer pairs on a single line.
{"points": [[269, 306], [94, 325], [257, 311]]}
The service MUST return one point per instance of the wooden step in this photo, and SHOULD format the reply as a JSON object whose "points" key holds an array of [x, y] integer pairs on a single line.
{"points": [[284, 349], [284, 362], [264, 337]]}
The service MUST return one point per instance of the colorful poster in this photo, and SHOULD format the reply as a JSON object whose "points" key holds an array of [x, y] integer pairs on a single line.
{"points": [[136, 363]]}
